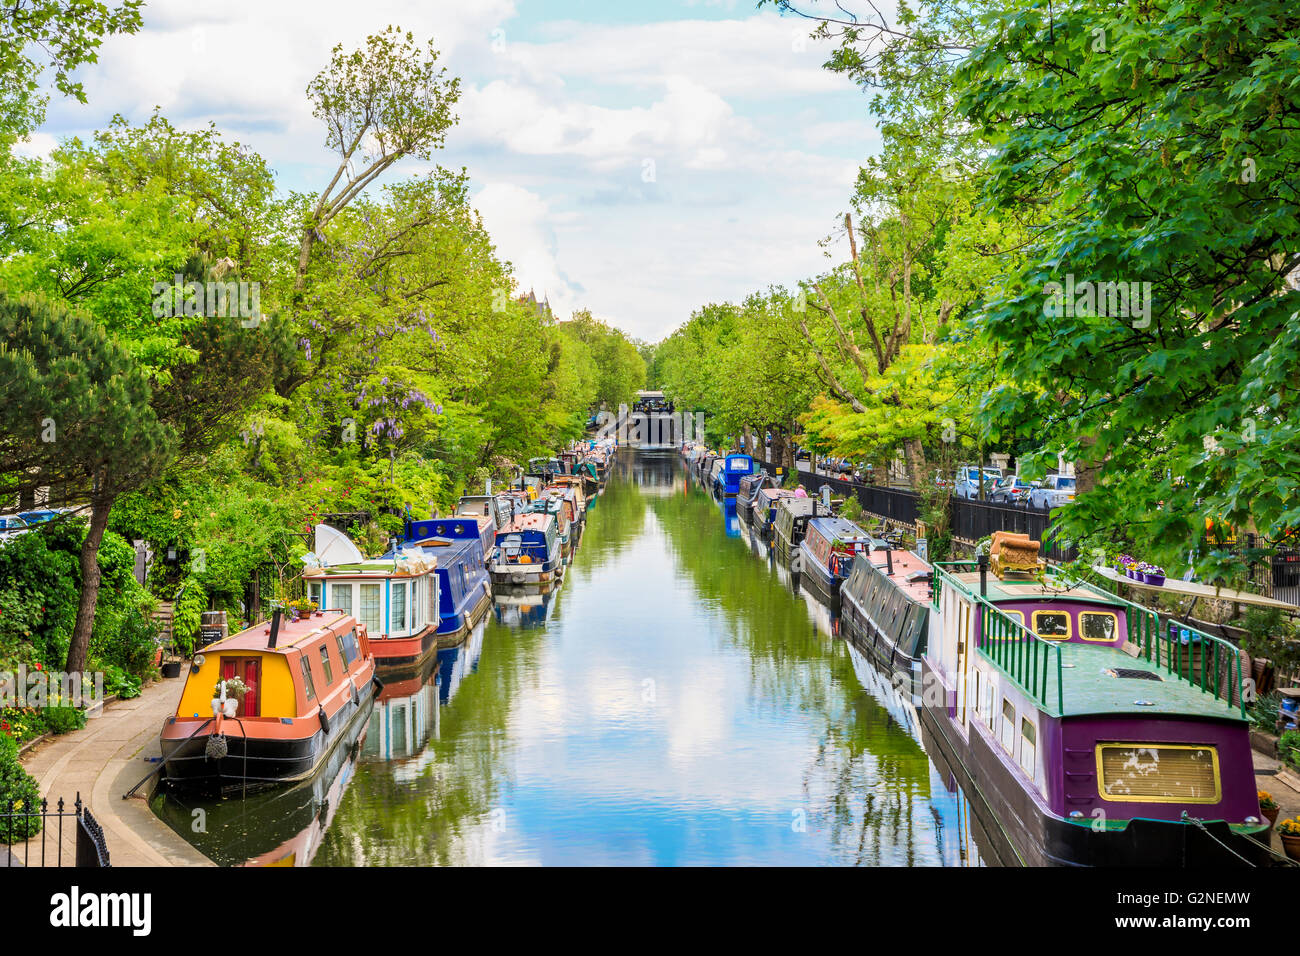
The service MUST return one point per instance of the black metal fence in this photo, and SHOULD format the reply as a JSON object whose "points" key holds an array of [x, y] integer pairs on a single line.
{"points": [[52, 837]]}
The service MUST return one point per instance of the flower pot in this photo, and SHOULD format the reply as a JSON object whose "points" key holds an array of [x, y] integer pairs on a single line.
{"points": [[1157, 579], [171, 669], [1291, 844], [1270, 814]]}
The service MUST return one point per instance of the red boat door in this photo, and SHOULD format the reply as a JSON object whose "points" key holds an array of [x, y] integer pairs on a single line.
{"points": [[249, 669]]}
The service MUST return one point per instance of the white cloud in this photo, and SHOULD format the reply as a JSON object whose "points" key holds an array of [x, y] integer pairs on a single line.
{"points": [[640, 170]]}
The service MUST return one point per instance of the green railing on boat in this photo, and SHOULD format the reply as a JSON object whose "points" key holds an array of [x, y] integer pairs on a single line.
{"points": [[1188, 662], [1033, 662], [1210, 664]]}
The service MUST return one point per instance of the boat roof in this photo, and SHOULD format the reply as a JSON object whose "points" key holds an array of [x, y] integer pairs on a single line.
{"points": [[376, 567], [800, 506], [530, 521], [1089, 687], [906, 563], [839, 529], [291, 633]]}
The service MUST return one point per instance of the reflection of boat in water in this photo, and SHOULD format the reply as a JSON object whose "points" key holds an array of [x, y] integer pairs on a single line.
{"points": [[281, 827], [405, 715], [456, 663], [730, 518], [523, 607], [960, 842]]}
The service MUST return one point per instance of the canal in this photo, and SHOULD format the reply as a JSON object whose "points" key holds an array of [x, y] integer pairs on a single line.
{"points": [[674, 702]]}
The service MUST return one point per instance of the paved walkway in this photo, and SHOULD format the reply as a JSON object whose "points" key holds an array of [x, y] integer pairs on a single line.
{"points": [[103, 761]]}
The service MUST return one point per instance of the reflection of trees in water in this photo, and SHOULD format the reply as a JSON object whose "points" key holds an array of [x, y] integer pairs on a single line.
{"points": [[417, 812], [869, 778], [615, 521]]}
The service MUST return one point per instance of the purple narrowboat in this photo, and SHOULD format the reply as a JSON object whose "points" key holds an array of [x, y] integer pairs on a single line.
{"points": [[1082, 735]]}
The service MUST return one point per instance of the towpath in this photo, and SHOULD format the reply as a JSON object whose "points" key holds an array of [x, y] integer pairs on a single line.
{"points": [[103, 761]]}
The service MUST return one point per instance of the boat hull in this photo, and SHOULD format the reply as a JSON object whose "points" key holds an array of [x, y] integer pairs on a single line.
{"points": [[271, 754], [404, 651]]}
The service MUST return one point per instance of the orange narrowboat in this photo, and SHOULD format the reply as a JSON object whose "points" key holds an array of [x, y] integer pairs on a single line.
{"points": [[269, 704]]}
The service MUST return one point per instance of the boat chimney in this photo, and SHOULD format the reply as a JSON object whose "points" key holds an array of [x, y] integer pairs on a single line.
{"points": [[889, 561], [275, 627], [983, 560]]}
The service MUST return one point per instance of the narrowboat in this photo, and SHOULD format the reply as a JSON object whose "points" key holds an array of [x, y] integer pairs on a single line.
{"points": [[464, 592], [573, 507], [825, 557], [397, 598], [527, 551], [560, 509], [305, 685], [763, 511], [734, 467], [1082, 735], [790, 522], [885, 609], [747, 491]]}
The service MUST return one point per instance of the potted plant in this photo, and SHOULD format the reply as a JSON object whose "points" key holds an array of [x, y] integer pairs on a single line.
{"points": [[236, 690], [1268, 806], [1289, 831], [1151, 573]]}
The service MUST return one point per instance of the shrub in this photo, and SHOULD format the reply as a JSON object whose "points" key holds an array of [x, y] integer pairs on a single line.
{"points": [[1288, 747], [187, 616], [18, 792], [62, 720], [852, 509]]}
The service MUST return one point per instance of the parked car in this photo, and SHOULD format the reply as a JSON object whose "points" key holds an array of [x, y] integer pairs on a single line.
{"points": [[1011, 490], [12, 526], [968, 479], [40, 516], [1054, 491]]}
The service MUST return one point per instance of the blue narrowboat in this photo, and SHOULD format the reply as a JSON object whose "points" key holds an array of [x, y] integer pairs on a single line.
{"points": [[527, 551], [465, 594], [825, 556], [733, 469]]}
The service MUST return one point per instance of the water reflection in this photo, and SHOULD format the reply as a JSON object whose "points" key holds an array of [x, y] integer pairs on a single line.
{"points": [[677, 701]]}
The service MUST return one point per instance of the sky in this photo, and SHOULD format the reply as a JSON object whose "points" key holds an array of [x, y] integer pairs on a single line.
{"points": [[638, 159]]}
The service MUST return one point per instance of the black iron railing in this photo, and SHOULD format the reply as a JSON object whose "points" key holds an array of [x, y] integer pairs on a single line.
{"points": [[45, 836]]}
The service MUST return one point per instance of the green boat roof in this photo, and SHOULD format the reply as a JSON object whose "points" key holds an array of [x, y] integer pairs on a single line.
{"points": [[1088, 688]]}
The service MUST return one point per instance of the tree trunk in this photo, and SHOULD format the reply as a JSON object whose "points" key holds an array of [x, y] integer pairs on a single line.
{"points": [[90, 578], [916, 468]]}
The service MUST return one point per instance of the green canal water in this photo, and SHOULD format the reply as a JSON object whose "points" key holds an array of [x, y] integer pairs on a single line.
{"points": [[675, 701]]}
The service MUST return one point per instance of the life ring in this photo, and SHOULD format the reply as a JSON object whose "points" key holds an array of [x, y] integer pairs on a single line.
{"points": [[324, 719]]}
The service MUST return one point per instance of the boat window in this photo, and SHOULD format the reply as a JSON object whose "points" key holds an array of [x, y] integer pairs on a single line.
{"points": [[325, 663], [308, 686], [371, 607], [314, 589], [398, 607], [343, 654], [341, 597], [350, 646], [1028, 745], [1158, 773], [1008, 726], [1052, 625], [1098, 625]]}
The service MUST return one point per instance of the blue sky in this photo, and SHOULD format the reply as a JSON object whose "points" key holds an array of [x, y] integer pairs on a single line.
{"points": [[638, 159]]}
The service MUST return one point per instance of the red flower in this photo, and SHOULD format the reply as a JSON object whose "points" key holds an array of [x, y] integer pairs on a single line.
{"points": [[38, 666]]}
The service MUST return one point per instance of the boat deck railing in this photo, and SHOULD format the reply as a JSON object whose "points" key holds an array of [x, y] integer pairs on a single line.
{"points": [[1032, 662], [1210, 664]]}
